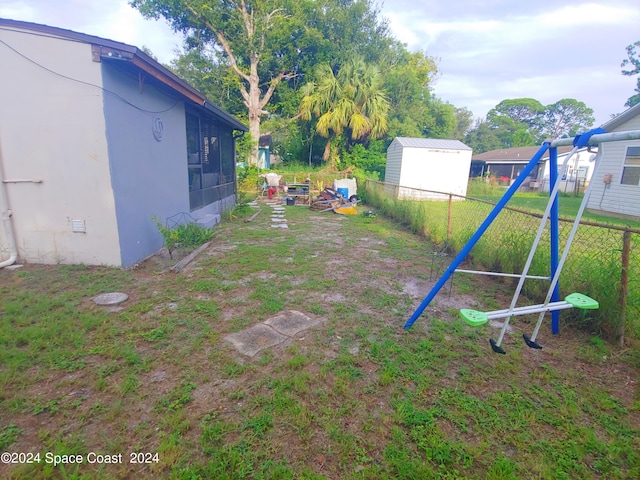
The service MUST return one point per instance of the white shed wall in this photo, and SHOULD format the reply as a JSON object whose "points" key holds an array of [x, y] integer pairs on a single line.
{"points": [[52, 128], [436, 170]]}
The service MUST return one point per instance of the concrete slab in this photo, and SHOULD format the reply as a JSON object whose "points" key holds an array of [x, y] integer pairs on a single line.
{"points": [[291, 322], [279, 225], [254, 339], [278, 220]]}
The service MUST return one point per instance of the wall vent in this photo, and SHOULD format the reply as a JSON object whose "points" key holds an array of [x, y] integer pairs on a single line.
{"points": [[78, 226]]}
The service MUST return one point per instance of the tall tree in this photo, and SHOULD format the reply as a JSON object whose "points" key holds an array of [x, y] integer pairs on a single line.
{"points": [[464, 121], [350, 102], [633, 62], [566, 117], [246, 33], [482, 137], [511, 118]]}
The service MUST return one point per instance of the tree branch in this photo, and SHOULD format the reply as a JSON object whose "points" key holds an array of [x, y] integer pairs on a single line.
{"points": [[272, 87], [225, 45]]}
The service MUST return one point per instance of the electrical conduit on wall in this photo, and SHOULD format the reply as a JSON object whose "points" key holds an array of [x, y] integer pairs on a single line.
{"points": [[6, 218]]}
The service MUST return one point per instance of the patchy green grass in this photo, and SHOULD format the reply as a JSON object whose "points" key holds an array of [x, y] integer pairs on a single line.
{"points": [[354, 397]]}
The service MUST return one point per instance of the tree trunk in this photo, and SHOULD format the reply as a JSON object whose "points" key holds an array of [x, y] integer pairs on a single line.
{"points": [[254, 108], [327, 150]]}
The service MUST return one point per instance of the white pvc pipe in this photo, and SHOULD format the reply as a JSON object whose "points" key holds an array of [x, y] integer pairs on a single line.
{"points": [[13, 251], [6, 221]]}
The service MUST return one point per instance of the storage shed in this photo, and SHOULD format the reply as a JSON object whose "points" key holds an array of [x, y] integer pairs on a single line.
{"points": [[422, 166]]}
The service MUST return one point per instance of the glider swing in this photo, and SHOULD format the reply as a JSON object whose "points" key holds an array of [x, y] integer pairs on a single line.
{"points": [[552, 302]]}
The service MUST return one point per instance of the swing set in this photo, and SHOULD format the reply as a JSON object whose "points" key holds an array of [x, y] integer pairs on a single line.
{"points": [[552, 302]]}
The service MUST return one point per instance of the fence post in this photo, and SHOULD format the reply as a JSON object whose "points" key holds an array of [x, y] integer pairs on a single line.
{"points": [[624, 285], [449, 218]]}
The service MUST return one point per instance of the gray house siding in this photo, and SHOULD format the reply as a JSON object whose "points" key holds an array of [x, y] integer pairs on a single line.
{"points": [[615, 198], [149, 176]]}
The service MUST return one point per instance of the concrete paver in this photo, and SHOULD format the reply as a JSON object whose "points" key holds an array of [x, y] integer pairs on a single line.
{"points": [[291, 322], [253, 339], [271, 332]]}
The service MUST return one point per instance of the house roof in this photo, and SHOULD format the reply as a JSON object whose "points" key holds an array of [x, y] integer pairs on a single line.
{"points": [[431, 143], [105, 50], [513, 155], [622, 118]]}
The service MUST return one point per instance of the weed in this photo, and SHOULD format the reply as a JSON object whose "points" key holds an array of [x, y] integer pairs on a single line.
{"points": [[8, 435], [178, 397]]}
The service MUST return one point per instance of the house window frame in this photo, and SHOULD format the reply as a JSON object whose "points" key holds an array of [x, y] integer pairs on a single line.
{"points": [[631, 166]]}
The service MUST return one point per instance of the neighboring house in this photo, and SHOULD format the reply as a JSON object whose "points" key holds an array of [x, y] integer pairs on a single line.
{"points": [[428, 164], [96, 138], [616, 188], [504, 166]]}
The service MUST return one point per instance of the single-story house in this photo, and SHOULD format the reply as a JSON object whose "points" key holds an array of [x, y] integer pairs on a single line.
{"points": [[418, 167], [616, 190], [96, 139], [504, 165]]}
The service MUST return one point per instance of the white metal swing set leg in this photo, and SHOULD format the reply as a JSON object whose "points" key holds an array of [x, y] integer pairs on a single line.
{"points": [[572, 301]]}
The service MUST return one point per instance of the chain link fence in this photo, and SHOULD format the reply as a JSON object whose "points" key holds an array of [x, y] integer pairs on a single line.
{"points": [[603, 262]]}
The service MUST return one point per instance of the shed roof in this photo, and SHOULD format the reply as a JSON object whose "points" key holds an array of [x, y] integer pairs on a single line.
{"points": [[431, 143], [111, 51]]}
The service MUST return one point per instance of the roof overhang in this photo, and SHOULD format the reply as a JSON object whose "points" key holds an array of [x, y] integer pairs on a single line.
{"points": [[105, 50]]}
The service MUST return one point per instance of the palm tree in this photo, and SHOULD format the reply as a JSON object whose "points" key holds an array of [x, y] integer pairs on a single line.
{"points": [[352, 102]]}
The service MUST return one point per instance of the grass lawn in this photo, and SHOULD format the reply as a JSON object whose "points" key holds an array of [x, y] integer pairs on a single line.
{"points": [[569, 206], [354, 397]]}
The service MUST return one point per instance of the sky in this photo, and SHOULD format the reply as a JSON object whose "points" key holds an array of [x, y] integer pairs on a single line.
{"points": [[486, 51]]}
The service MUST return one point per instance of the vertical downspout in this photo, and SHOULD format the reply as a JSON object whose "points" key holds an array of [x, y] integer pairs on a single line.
{"points": [[6, 219]]}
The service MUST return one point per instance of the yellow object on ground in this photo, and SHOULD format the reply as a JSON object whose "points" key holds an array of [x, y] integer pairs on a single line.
{"points": [[345, 210]]}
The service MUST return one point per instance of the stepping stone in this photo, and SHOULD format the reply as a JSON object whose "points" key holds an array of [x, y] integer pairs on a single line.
{"points": [[278, 219], [110, 298], [291, 322], [279, 225], [253, 339]]}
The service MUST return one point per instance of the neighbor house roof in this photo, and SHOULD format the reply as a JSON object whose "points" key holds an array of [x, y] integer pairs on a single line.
{"points": [[111, 51], [513, 155], [622, 118], [432, 143]]}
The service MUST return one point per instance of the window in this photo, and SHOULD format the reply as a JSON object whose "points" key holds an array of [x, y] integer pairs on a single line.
{"points": [[631, 169], [209, 160]]}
